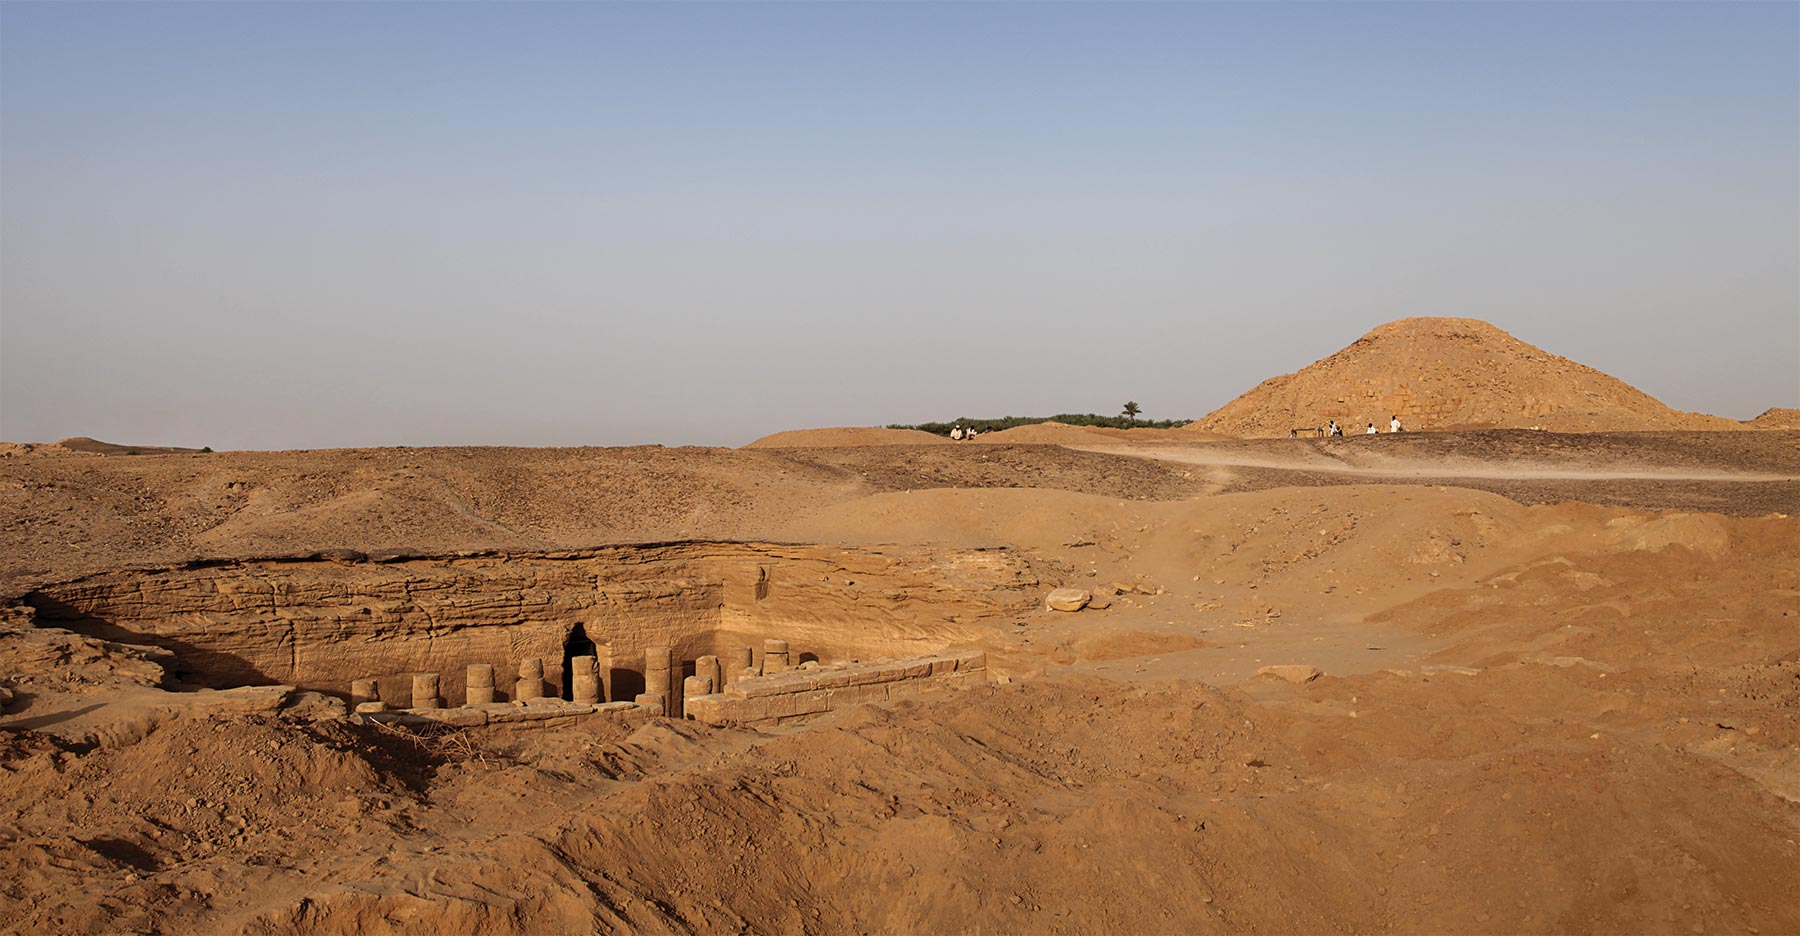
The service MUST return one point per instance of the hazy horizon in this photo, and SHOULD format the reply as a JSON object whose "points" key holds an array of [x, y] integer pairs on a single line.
{"points": [[261, 226]]}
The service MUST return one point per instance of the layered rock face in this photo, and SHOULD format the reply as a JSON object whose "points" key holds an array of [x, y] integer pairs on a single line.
{"points": [[319, 623], [1442, 373]]}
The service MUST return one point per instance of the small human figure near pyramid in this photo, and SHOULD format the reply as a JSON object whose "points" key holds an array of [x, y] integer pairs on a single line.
{"points": [[1393, 425]]}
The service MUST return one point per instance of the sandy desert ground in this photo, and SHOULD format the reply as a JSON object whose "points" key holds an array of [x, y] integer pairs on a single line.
{"points": [[1560, 690], [1503, 680]]}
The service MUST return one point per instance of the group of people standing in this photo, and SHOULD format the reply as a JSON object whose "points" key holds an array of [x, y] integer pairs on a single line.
{"points": [[1393, 426]]}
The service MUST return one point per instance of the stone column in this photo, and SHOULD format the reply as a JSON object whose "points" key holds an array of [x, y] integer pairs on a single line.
{"points": [[364, 690], [659, 662], [603, 670], [775, 656], [531, 680], [690, 688], [694, 687], [740, 663], [478, 685], [584, 684], [425, 691], [707, 667]]}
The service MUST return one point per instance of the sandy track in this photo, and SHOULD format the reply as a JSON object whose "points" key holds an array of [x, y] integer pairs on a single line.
{"points": [[1737, 473], [1202, 454]]}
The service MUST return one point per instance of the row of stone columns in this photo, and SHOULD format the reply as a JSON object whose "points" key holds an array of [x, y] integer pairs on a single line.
{"points": [[478, 685], [661, 693]]}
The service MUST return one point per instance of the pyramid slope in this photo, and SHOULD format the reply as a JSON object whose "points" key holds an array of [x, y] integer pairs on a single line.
{"points": [[1448, 373], [1777, 417]]}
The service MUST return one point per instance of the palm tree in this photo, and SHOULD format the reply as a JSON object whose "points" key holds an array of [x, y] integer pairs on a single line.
{"points": [[1131, 410]]}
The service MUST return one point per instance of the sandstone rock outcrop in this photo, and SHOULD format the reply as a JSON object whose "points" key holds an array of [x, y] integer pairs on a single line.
{"points": [[321, 623], [1067, 599]]}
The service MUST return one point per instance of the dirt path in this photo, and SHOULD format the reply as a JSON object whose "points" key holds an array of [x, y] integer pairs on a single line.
{"points": [[1212, 457]]}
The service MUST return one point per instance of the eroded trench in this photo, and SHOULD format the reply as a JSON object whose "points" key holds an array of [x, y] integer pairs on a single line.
{"points": [[321, 622]]}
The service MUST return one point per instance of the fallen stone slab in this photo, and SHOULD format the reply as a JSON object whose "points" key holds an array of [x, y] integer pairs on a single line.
{"points": [[1297, 673], [455, 718], [1067, 599], [244, 700]]}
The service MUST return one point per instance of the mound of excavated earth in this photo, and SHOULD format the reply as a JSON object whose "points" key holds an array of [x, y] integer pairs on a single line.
{"points": [[1045, 433], [1052, 432], [97, 447], [847, 435], [1441, 373], [1776, 417]]}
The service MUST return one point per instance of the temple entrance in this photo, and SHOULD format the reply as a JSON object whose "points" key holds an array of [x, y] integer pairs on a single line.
{"points": [[578, 644]]}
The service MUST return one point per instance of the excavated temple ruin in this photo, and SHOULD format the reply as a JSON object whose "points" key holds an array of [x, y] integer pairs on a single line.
{"points": [[609, 623]]}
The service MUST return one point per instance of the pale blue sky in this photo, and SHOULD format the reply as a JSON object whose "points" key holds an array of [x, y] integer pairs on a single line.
{"points": [[302, 225]]}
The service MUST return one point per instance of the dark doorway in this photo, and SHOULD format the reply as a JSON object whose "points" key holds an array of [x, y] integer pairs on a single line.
{"points": [[578, 644], [626, 684]]}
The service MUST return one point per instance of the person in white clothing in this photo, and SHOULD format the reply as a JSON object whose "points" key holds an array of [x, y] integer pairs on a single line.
{"points": [[1394, 424]]}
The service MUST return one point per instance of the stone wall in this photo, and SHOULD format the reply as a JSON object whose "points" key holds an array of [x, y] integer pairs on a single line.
{"points": [[811, 691], [539, 714]]}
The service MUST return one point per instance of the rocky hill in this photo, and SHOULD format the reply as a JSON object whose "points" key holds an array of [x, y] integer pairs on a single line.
{"points": [[82, 445], [1448, 373], [1777, 417]]}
